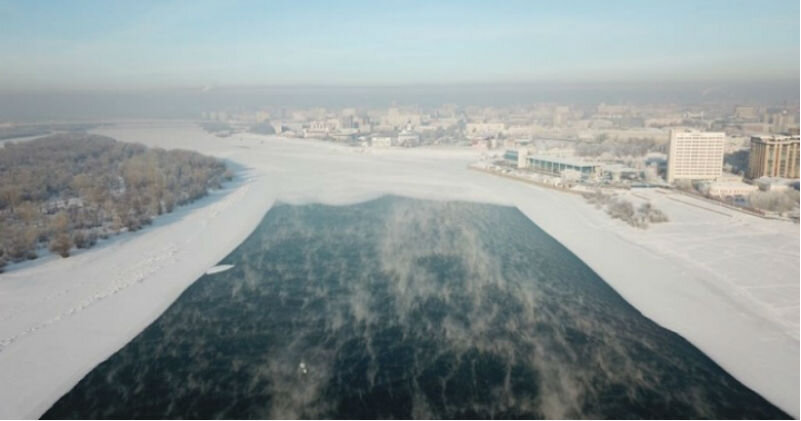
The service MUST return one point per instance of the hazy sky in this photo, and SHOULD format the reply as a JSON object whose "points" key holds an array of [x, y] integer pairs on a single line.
{"points": [[136, 44]]}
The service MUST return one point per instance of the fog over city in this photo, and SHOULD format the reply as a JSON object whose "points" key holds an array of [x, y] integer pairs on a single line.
{"points": [[403, 209], [185, 102]]}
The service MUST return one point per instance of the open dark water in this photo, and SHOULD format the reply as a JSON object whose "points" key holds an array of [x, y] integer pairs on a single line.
{"points": [[401, 308]]}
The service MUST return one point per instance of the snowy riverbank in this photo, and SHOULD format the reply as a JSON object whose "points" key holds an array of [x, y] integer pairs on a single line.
{"points": [[727, 282]]}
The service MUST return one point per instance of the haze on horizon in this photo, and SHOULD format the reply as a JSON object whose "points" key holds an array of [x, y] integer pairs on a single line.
{"points": [[90, 59], [134, 45]]}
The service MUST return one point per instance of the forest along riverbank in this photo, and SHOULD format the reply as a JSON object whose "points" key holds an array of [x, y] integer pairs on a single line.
{"points": [[93, 187]]}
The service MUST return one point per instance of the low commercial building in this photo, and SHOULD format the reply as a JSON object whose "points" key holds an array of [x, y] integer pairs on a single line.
{"points": [[381, 142], [552, 165], [618, 172], [724, 189]]}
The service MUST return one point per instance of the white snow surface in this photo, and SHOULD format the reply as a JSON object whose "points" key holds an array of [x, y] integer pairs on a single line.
{"points": [[726, 281]]}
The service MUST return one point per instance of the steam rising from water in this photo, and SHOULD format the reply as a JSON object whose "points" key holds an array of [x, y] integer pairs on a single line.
{"points": [[406, 308]]}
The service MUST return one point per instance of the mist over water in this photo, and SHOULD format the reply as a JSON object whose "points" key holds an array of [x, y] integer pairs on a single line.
{"points": [[399, 308]]}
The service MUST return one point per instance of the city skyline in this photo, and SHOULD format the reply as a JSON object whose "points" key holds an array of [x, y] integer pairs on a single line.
{"points": [[152, 45]]}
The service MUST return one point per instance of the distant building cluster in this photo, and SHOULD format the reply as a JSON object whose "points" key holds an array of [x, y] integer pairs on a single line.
{"points": [[492, 127], [723, 151]]}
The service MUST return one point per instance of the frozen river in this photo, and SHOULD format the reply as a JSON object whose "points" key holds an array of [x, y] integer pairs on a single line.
{"points": [[402, 308], [726, 283]]}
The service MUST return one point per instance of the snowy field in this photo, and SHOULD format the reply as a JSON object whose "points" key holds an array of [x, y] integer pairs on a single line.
{"points": [[726, 281]]}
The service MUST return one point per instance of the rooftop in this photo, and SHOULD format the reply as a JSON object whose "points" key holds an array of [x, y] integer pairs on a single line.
{"points": [[775, 138], [575, 162]]}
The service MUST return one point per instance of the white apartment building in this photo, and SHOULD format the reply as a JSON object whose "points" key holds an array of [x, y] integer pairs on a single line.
{"points": [[695, 155]]}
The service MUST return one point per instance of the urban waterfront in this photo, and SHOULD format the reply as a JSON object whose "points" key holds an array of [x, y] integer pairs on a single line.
{"points": [[400, 308]]}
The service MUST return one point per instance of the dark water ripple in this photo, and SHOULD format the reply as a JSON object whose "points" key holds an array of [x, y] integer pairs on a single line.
{"points": [[401, 308]]}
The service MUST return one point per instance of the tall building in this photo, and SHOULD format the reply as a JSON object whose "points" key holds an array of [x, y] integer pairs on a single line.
{"points": [[695, 155], [773, 156], [522, 158]]}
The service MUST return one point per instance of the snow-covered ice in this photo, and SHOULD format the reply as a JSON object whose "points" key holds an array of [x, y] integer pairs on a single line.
{"points": [[726, 281]]}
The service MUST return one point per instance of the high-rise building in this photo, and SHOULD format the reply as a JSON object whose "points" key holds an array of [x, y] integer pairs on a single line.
{"points": [[522, 158], [773, 156], [695, 155]]}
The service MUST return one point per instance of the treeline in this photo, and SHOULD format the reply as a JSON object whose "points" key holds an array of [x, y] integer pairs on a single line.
{"points": [[781, 201], [265, 127], [737, 161], [624, 210], [620, 148], [69, 190], [24, 130], [216, 126]]}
